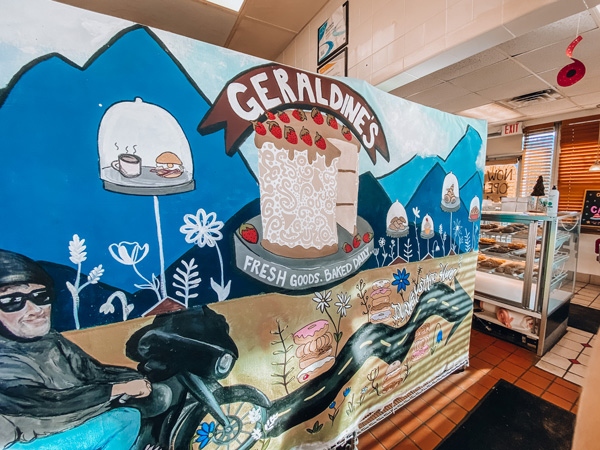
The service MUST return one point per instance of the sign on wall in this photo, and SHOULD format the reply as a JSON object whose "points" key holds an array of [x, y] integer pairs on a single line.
{"points": [[500, 180], [590, 214], [332, 34]]}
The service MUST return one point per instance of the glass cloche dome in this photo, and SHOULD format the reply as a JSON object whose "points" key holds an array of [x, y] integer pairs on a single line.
{"points": [[397, 221], [474, 209], [143, 150], [450, 195], [427, 230]]}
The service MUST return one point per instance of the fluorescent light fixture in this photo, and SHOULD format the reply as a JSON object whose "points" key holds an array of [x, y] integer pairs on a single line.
{"points": [[235, 5], [492, 112]]}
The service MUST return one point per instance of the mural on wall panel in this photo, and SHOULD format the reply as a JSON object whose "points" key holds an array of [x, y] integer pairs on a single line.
{"points": [[202, 249]]}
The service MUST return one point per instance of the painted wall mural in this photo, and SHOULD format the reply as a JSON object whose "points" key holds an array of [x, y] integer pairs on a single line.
{"points": [[201, 249]]}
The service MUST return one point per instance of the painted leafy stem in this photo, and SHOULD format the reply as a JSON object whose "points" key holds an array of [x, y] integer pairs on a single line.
{"points": [[204, 229]]}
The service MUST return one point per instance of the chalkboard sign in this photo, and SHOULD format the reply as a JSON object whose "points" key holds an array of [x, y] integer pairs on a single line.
{"points": [[590, 215]]}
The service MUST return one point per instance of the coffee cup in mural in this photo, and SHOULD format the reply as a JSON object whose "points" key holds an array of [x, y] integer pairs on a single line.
{"points": [[130, 166]]}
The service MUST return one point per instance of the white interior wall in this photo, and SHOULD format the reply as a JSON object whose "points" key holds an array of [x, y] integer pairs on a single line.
{"points": [[394, 42]]}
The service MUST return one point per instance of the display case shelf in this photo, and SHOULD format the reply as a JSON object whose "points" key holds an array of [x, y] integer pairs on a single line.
{"points": [[545, 286]]}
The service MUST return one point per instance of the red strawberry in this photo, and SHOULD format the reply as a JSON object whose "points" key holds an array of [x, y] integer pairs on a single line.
{"points": [[305, 136], [284, 117], [271, 116], [259, 128], [317, 116], [299, 115], [249, 233], [332, 122], [367, 237], [319, 141], [290, 135], [356, 241], [346, 133], [347, 248], [275, 129]]}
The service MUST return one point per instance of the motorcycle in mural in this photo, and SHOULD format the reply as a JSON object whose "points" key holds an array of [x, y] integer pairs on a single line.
{"points": [[192, 350]]}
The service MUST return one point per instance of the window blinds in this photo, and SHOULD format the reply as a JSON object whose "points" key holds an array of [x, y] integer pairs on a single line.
{"points": [[538, 150], [578, 150]]}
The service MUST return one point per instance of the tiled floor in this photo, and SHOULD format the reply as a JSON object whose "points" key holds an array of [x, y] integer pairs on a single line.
{"points": [[587, 295], [423, 423], [569, 358]]}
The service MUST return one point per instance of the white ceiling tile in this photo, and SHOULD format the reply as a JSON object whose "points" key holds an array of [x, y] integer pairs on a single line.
{"points": [[258, 38], [546, 58], [470, 64], [438, 94], [547, 108], [290, 14], [549, 34], [420, 85], [462, 103], [587, 100], [514, 88], [491, 75]]}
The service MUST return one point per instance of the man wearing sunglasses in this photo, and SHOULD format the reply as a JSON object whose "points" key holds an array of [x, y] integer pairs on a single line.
{"points": [[54, 396]]}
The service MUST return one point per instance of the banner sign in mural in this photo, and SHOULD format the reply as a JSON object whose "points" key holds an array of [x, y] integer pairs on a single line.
{"points": [[204, 251]]}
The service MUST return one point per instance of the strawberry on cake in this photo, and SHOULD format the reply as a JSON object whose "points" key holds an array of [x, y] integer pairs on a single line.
{"points": [[308, 178]]}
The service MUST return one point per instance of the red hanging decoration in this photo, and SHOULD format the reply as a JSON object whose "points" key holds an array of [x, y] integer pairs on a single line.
{"points": [[571, 73]]}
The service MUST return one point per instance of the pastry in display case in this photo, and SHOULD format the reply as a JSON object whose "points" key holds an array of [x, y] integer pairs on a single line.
{"points": [[526, 270]]}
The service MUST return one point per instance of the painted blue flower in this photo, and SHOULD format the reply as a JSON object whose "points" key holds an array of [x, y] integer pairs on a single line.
{"points": [[332, 405], [205, 433], [346, 392], [401, 279], [438, 337]]}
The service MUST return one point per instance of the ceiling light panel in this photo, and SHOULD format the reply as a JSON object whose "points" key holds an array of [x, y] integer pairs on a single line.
{"points": [[491, 112], [234, 5]]}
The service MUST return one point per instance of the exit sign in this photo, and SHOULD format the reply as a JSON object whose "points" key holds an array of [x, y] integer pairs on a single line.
{"points": [[513, 128]]}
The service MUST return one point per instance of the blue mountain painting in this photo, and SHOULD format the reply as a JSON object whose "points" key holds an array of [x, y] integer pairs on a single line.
{"points": [[49, 119], [410, 175]]}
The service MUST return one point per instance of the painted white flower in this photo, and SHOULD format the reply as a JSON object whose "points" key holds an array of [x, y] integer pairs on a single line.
{"points": [[256, 434], [128, 253], [381, 242], [416, 212], [202, 229], [343, 304], [322, 300], [107, 308], [271, 422], [254, 415], [376, 251], [77, 250], [441, 229]]}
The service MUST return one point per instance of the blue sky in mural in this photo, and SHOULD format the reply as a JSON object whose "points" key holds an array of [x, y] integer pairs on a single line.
{"points": [[48, 133], [50, 120]]}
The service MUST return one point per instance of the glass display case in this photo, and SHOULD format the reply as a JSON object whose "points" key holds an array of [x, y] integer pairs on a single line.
{"points": [[526, 276]]}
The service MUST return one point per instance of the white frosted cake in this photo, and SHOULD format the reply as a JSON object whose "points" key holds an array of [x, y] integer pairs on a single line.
{"points": [[308, 177]]}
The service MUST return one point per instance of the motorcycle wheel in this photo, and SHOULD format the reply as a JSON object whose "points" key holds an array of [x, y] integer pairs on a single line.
{"points": [[201, 431]]}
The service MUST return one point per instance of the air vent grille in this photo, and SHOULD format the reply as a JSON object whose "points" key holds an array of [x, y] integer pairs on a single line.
{"points": [[533, 98]]}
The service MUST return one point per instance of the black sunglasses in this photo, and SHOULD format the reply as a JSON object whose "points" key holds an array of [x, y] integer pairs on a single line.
{"points": [[16, 301]]}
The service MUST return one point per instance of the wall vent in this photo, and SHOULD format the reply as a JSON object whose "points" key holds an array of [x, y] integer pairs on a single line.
{"points": [[533, 98]]}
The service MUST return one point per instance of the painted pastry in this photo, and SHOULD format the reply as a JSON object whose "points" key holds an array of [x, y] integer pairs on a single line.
{"points": [[380, 301], [395, 374], [421, 344], [427, 227], [314, 350], [308, 179]]}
